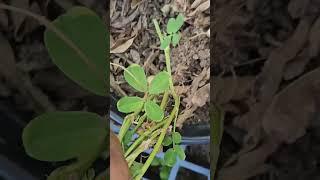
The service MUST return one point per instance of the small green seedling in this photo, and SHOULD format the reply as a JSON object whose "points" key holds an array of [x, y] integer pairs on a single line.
{"points": [[151, 110], [77, 42]]}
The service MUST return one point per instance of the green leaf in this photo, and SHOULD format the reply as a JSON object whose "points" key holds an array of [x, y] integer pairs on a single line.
{"points": [[160, 83], [136, 77], [176, 137], [175, 39], [135, 168], [165, 42], [164, 172], [167, 141], [128, 137], [156, 162], [170, 157], [129, 104], [60, 136], [180, 152], [86, 61], [153, 111], [174, 25]]}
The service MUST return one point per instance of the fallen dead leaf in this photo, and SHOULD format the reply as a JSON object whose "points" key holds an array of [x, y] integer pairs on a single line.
{"points": [[314, 39], [297, 8], [202, 7], [122, 45], [296, 67], [290, 111], [7, 62], [18, 19], [201, 96]]}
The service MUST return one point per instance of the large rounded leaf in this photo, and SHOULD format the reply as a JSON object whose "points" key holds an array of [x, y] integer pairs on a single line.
{"points": [[129, 104], [153, 111], [59, 136], [160, 83], [84, 58], [136, 77]]}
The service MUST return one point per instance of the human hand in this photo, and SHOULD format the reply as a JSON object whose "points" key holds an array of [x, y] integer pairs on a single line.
{"points": [[118, 165]]}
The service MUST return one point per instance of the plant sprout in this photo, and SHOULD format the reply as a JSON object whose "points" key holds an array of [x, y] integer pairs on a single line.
{"points": [[152, 110]]}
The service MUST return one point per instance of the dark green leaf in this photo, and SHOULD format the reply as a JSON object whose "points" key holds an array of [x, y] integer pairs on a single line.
{"points": [[160, 83], [86, 62], [175, 39], [135, 168], [164, 172], [170, 157], [156, 162], [129, 104], [128, 137], [59, 136], [136, 77], [180, 152], [153, 111], [176, 137], [166, 42], [167, 141]]}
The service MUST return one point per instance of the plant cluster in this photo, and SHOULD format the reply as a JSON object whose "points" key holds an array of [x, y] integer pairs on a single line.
{"points": [[150, 116]]}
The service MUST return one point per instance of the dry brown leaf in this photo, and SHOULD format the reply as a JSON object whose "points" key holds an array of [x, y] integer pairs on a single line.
{"points": [[201, 96], [296, 67], [135, 3], [314, 39], [18, 19], [297, 8], [135, 56], [113, 4], [202, 7], [250, 164], [65, 4], [272, 73], [186, 114], [7, 61], [122, 45], [288, 115], [223, 88], [123, 21]]}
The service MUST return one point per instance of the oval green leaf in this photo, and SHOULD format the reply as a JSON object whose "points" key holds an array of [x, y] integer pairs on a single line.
{"points": [[60, 136], [136, 77], [176, 137], [129, 104], [167, 141], [165, 42], [83, 57], [164, 172], [153, 111], [175, 39], [160, 83], [174, 25], [170, 157], [180, 152]]}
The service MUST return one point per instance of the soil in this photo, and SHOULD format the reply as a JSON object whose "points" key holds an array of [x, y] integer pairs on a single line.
{"points": [[31, 84], [264, 73]]}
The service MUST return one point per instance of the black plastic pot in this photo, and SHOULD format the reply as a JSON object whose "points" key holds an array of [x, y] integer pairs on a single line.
{"points": [[191, 134]]}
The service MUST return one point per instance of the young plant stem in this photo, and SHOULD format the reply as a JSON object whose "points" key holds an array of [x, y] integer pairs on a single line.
{"points": [[142, 137], [143, 146], [140, 122], [217, 115], [160, 140]]}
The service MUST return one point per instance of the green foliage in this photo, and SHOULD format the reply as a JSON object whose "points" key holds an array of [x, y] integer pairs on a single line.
{"points": [[174, 24], [167, 141], [129, 104], [166, 42], [82, 54], [153, 111], [165, 172], [180, 152], [160, 83], [176, 137], [175, 39], [136, 77], [135, 168], [170, 157], [60, 136]]}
